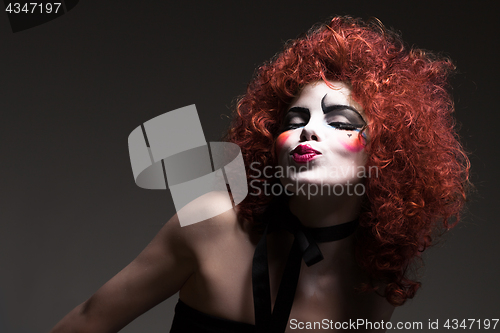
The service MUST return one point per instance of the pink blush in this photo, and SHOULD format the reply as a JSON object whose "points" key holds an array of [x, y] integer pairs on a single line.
{"points": [[280, 141], [353, 143]]}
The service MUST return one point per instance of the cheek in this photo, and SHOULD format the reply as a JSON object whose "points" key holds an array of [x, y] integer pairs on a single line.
{"points": [[280, 141], [353, 142]]}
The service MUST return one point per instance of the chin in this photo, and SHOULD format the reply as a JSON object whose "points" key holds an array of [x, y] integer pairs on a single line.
{"points": [[311, 186]]}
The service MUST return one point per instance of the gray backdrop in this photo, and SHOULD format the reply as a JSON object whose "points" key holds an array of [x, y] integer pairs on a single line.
{"points": [[73, 89]]}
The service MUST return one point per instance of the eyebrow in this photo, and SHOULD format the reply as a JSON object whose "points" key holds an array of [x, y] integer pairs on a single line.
{"points": [[326, 109], [299, 109], [329, 108]]}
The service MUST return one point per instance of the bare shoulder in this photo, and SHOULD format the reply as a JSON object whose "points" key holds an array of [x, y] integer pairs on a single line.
{"points": [[219, 227], [158, 272], [223, 248]]}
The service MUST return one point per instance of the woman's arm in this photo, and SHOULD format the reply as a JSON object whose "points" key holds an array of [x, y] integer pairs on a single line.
{"points": [[157, 273]]}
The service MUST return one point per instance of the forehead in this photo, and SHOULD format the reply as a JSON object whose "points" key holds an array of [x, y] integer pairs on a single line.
{"points": [[337, 93]]}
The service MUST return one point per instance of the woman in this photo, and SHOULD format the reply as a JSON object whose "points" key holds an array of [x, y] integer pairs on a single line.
{"points": [[352, 164]]}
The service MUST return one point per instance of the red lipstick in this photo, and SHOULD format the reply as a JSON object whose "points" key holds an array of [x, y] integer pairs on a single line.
{"points": [[304, 153]]}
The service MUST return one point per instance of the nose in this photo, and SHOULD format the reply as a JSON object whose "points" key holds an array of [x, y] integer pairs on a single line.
{"points": [[311, 132]]}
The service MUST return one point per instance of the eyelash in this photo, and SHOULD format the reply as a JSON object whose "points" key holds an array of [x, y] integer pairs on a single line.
{"points": [[344, 126], [338, 125], [294, 126]]}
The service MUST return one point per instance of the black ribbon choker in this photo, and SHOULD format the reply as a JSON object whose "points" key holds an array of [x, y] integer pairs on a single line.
{"points": [[304, 246]]}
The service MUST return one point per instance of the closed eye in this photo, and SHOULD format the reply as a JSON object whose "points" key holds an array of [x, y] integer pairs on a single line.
{"points": [[294, 126], [295, 118], [345, 126]]}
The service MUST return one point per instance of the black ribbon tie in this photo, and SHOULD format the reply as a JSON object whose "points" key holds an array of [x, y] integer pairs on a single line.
{"points": [[304, 247]]}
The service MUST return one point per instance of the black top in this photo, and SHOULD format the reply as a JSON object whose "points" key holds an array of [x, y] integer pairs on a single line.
{"points": [[189, 320], [276, 217]]}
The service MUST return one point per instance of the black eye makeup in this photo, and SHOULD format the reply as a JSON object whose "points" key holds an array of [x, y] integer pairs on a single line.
{"points": [[343, 117], [296, 117]]}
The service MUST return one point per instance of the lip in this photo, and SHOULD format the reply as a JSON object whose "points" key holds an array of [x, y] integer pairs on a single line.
{"points": [[304, 153]]}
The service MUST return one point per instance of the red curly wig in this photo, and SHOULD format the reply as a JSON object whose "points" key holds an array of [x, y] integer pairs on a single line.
{"points": [[422, 168]]}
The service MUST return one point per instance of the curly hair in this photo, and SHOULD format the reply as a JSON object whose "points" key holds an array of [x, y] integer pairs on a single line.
{"points": [[422, 167]]}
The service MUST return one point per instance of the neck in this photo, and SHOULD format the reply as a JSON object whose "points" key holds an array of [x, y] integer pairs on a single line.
{"points": [[323, 211]]}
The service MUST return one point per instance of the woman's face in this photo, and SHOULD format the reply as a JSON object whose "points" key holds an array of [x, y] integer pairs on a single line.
{"points": [[320, 141]]}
